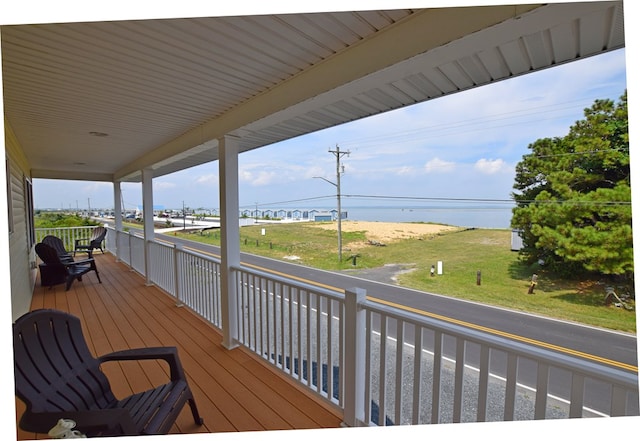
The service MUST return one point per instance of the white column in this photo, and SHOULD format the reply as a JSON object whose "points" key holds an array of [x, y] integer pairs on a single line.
{"points": [[117, 213], [229, 237], [147, 215], [354, 360]]}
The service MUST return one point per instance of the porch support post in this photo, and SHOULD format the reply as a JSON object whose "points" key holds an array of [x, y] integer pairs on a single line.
{"points": [[147, 216], [117, 213], [354, 357], [229, 237]]}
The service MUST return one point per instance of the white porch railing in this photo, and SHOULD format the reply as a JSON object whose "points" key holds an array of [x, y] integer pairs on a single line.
{"points": [[382, 365], [69, 235]]}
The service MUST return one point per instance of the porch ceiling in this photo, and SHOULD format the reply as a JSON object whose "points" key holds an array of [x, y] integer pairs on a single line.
{"points": [[163, 91]]}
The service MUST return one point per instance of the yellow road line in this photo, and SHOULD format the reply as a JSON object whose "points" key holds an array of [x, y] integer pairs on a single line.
{"points": [[512, 336], [451, 320]]}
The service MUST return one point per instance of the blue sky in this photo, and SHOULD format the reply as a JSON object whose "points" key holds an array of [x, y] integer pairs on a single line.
{"points": [[462, 146]]}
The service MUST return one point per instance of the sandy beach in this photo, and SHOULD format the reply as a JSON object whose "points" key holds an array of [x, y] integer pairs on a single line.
{"points": [[388, 231]]}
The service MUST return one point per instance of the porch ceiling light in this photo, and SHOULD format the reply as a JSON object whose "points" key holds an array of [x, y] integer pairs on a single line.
{"points": [[98, 134]]}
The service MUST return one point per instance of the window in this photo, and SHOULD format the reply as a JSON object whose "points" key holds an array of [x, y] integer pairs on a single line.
{"points": [[9, 200], [28, 208]]}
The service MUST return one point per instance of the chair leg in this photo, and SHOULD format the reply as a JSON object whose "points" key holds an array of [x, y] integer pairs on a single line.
{"points": [[194, 410], [95, 268]]}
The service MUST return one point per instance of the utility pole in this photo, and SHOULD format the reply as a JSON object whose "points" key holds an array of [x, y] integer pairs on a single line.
{"points": [[339, 170]]}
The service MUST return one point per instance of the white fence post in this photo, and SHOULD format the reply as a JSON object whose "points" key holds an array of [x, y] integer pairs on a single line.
{"points": [[354, 359], [177, 248], [130, 252]]}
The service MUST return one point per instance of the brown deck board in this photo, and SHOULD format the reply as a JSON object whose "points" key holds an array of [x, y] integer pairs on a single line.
{"points": [[235, 390]]}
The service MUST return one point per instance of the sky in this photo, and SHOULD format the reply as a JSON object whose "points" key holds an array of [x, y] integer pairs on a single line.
{"points": [[464, 145]]}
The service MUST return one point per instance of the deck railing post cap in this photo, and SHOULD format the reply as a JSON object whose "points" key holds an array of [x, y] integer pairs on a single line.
{"points": [[359, 293]]}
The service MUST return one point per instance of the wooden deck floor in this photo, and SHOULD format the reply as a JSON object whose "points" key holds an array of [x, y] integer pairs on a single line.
{"points": [[234, 390]]}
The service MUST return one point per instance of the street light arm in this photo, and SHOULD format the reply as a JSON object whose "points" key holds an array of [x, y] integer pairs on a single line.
{"points": [[324, 179]]}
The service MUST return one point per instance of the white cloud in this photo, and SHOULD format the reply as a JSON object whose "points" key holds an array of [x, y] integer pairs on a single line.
{"points": [[437, 165], [491, 166], [97, 187], [259, 178], [405, 171], [159, 185], [207, 179]]}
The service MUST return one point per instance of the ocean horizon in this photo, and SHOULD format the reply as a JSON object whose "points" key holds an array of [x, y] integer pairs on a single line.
{"points": [[464, 216], [476, 216]]}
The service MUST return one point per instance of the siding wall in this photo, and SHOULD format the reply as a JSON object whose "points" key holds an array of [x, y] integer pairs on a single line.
{"points": [[21, 255]]}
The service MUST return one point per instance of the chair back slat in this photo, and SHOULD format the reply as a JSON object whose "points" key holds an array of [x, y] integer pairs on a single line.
{"points": [[57, 244], [47, 254], [98, 235]]}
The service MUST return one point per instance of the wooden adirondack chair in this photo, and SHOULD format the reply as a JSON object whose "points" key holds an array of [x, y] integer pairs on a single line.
{"points": [[54, 270], [57, 244], [58, 378], [94, 242]]}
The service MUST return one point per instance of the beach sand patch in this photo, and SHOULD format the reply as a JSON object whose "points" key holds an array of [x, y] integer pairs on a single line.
{"points": [[385, 232]]}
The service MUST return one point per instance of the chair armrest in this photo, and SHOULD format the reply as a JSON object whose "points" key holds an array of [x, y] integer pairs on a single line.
{"points": [[79, 241], [168, 353], [79, 262], [91, 422]]}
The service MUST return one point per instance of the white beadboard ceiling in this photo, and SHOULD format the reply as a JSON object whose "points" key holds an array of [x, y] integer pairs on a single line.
{"points": [[164, 91]]}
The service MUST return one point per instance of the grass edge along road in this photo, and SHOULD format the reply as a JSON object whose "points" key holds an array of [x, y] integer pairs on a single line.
{"points": [[478, 265]]}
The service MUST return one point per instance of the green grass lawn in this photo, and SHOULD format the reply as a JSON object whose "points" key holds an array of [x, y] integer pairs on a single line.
{"points": [[504, 280]]}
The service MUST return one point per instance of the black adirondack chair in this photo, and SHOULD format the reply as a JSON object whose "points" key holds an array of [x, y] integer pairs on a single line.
{"points": [[57, 244], [57, 377], [54, 271], [94, 242]]}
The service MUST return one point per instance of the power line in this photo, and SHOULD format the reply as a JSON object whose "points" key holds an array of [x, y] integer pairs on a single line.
{"points": [[417, 198], [290, 201], [449, 199], [467, 125]]}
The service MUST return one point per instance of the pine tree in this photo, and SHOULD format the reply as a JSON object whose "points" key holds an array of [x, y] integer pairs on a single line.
{"points": [[573, 195]]}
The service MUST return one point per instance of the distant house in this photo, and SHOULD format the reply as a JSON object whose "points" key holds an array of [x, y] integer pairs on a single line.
{"points": [[323, 216]]}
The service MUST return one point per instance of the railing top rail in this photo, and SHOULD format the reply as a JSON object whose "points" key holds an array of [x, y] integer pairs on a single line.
{"points": [[301, 285], [576, 364], [162, 243], [82, 227], [200, 255]]}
